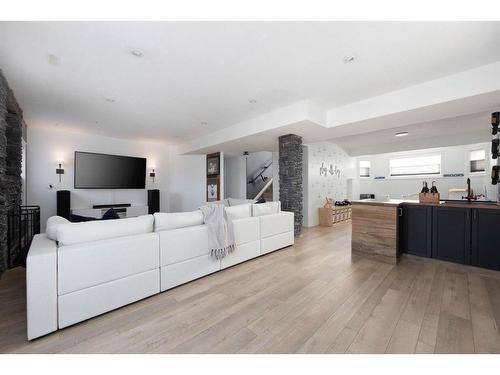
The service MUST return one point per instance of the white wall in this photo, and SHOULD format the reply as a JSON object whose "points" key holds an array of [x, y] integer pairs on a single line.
{"points": [[318, 187], [454, 160], [48, 145], [187, 181], [235, 177]]}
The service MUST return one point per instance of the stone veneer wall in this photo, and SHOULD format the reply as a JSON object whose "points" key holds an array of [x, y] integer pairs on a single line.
{"points": [[290, 177], [11, 130]]}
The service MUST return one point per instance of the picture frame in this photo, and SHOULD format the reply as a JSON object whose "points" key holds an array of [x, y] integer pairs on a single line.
{"points": [[212, 189], [213, 165]]}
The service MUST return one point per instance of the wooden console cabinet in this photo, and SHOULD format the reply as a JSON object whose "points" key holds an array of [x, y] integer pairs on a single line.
{"points": [[332, 215]]}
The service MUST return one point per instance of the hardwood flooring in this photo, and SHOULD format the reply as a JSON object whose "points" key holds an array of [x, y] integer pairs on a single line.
{"points": [[309, 298]]}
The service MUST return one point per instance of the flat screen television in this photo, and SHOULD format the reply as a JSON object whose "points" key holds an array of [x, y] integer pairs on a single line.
{"points": [[102, 171]]}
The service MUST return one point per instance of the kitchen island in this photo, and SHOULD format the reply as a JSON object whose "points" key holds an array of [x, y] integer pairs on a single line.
{"points": [[458, 232]]}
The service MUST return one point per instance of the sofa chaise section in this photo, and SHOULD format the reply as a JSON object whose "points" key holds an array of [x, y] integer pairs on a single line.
{"points": [[95, 266]]}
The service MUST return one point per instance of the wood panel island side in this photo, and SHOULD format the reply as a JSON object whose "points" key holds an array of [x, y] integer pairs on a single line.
{"points": [[375, 229]]}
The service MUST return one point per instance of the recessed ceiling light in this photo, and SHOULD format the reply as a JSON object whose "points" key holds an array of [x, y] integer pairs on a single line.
{"points": [[204, 123], [110, 100], [137, 53], [348, 59], [401, 134], [252, 101]]}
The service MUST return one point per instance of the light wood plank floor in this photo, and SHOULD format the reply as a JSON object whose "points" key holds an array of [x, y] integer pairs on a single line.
{"points": [[309, 298]]}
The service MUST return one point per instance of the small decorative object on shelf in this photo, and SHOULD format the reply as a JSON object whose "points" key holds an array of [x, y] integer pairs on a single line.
{"points": [[330, 203]]}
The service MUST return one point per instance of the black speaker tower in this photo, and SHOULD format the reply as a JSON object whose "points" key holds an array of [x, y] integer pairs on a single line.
{"points": [[153, 201], [64, 203]]}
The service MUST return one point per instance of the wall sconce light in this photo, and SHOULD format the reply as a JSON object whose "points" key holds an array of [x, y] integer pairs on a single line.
{"points": [[152, 174], [60, 171]]}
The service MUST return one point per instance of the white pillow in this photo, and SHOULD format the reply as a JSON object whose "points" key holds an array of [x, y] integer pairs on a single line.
{"points": [[236, 202], [239, 212], [52, 223], [267, 208], [175, 220]]}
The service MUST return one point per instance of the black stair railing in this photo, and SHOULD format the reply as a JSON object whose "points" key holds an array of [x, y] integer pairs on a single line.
{"points": [[22, 225]]}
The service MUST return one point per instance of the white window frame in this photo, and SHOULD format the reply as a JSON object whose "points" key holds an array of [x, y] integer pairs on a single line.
{"points": [[469, 159], [416, 176], [369, 168]]}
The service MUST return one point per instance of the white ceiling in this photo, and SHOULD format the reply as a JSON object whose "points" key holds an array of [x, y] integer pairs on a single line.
{"points": [[208, 71], [460, 130]]}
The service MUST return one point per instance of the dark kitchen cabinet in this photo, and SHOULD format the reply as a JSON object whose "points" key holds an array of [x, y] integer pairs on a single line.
{"points": [[416, 233], [451, 234], [485, 238]]}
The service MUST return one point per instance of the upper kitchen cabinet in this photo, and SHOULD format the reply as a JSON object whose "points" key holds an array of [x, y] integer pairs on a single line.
{"points": [[451, 234], [485, 239], [416, 233]]}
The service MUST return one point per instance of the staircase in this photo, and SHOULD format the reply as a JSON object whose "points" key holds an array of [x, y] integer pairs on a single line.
{"points": [[260, 184]]}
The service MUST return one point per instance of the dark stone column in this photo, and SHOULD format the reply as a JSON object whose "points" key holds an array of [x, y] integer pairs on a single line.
{"points": [[290, 177], [3, 168], [11, 131]]}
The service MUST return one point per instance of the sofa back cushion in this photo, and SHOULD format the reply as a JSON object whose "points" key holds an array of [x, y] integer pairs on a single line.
{"points": [[89, 264], [179, 245], [75, 233], [268, 208], [236, 201], [52, 223], [176, 220], [239, 212]]}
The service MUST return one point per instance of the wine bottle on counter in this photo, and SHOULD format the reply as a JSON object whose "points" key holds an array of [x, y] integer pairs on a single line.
{"points": [[434, 189], [425, 188]]}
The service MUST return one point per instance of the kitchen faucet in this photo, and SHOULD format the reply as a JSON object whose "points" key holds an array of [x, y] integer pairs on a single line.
{"points": [[470, 193]]}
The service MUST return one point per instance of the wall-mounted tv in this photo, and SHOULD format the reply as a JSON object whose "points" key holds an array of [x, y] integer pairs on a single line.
{"points": [[102, 171]]}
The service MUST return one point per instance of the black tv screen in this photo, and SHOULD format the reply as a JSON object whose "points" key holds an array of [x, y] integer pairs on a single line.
{"points": [[102, 171]]}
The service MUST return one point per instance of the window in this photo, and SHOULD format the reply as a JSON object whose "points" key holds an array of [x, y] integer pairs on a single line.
{"points": [[477, 161], [364, 168], [415, 166]]}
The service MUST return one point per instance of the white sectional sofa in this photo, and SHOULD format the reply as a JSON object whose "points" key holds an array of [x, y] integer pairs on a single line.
{"points": [[76, 271]]}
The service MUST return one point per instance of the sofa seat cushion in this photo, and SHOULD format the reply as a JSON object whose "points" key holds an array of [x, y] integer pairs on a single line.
{"points": [[87, 303], [268, 208], [239, 212], [276, 242], [181, 244], [77, 233], [176, 220], [179, 273], [246, 230], [242, 253], [86, 265], [271, 225]]}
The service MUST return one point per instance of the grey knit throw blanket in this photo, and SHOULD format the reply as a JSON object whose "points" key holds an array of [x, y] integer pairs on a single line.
{"points": [[220, 232]]}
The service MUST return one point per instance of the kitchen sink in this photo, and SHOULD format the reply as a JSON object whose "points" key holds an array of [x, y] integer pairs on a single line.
{"points": [[463, 201]]}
